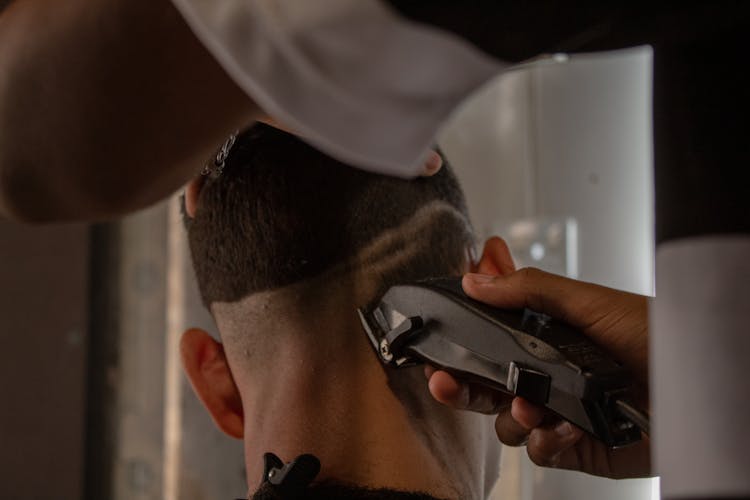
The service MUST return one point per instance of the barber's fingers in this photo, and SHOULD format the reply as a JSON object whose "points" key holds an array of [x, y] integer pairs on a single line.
{"points": [[513, 413], [554, 445], [569, 300], [462, 396], [518, 422], [514, 424], [509, 431], [516, 417]]}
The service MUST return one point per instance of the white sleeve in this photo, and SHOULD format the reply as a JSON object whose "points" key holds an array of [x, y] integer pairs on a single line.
{"points": [[352, 77]]}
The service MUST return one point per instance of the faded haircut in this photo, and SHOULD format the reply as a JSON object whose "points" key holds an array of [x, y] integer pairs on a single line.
{"points": [[281, 212]]}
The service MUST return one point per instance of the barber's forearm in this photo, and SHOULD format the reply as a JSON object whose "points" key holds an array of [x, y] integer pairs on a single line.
{"points": [[105, 107]]}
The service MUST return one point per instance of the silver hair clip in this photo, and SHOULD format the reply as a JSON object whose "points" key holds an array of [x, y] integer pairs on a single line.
{"points": [[215, 167]]}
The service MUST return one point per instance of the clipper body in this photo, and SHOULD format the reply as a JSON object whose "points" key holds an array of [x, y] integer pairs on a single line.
{"points": [[516, 351]]}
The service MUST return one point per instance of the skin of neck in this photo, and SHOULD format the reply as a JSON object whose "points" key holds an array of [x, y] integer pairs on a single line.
{"points": [[310, 383]]}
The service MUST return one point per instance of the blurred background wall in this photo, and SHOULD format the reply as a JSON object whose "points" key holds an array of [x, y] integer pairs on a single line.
{"points": [[94, 403], [43, 334]]}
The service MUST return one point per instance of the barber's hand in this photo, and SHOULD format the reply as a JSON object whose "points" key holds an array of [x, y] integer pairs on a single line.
{"points": [[615, 320]]}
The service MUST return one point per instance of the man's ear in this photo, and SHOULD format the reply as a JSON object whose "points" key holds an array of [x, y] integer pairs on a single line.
{"points": [[206, 366], [496, 259], [192, 193]]}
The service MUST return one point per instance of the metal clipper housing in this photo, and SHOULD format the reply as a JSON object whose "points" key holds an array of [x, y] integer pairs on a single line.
{"points": [[516, 351]]}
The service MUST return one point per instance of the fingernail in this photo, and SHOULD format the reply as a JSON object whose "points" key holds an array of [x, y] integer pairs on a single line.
{"points": [[480, 279], [564, 429]]}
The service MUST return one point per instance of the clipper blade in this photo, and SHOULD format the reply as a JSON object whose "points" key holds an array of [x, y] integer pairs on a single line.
{"points": [[373, 329]]}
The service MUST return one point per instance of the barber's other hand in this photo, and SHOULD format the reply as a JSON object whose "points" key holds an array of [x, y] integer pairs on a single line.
{"points": [[615, 320]]}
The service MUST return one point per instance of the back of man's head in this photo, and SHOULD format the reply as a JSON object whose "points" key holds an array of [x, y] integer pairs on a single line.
{"points": [[286, 244], [280, 213]]}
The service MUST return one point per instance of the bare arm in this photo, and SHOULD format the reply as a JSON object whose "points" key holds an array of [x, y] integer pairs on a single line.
{"points": [[106, 106]]}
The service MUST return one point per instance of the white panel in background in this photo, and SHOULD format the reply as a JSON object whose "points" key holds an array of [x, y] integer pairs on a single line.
{"points": [[593, 162], [565, 145], [592, 122], [488, 143], [549, 243]]}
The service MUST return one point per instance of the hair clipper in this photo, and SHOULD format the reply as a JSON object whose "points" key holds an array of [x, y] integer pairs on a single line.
{"points": [[519, 352]]}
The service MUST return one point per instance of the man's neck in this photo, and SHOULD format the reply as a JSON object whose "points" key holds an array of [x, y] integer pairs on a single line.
{"points": [[340, 409], [310, 383]]}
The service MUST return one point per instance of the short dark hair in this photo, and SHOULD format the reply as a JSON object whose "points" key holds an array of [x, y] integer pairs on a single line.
{"points": [[281, 212]]}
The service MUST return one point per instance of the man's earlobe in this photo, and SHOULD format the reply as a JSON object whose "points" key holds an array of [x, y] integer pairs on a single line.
{"points": [[496, 259], [206, 366]]}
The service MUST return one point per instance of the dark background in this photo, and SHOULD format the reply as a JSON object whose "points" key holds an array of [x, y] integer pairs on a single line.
{"points": [[43, 331]]}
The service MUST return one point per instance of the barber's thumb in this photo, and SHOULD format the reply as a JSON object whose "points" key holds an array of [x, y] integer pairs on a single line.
{"points": [[528, 287], [497, 290]]}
